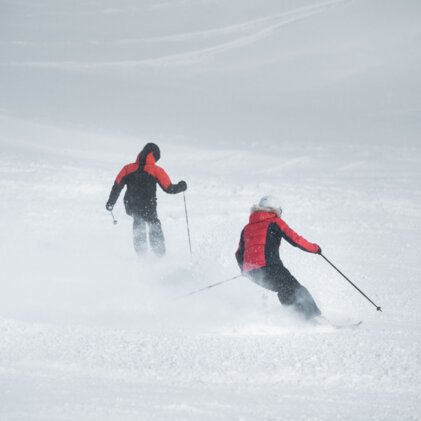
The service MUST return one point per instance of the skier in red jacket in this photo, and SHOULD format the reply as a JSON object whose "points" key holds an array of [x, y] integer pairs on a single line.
{"points": [[258, 256], [141, 178]]}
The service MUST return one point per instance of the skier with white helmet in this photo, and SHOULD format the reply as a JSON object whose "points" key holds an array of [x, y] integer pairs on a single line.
{"points": [[258, 256]]}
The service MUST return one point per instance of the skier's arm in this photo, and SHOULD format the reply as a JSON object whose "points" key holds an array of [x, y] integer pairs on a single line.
{"points": [[239, 254], [295, 239], [119, 184], [165, 182]]}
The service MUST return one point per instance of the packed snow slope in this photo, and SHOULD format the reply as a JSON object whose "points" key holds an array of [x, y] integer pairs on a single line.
{"points": [[315, 102]]}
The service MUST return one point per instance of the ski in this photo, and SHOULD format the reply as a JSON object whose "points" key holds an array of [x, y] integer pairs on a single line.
{"points": [[323, 321]]}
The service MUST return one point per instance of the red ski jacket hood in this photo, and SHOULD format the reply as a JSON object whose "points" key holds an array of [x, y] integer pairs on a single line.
{"points": [[259, 216]]}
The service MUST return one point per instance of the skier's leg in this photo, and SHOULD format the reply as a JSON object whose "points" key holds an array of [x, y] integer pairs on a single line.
{"points": [[292, 293], [156, 237], [305, 303], [139, 235], [266, 277]]}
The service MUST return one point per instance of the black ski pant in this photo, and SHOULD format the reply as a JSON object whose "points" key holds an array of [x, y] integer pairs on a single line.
{"points": [[142, 227], [277, 278]]}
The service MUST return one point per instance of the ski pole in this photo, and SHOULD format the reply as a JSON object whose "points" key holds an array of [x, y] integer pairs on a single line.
{"points": [[114, 220], [187, 222], [208, 287], [331, 264]]}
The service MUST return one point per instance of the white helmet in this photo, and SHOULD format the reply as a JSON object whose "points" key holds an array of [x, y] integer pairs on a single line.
{"points": [[269, 204]]}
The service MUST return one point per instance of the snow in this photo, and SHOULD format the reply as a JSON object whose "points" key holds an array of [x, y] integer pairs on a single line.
{"points": [[317, 103]]}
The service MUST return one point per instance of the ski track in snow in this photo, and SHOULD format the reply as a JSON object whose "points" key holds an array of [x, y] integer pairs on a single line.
{"points": [[237, 28], [196, 56]]}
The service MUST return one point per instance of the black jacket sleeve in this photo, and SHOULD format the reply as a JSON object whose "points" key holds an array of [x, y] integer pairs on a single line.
{"points": [[176, 188], [115, 192], [239, 254]]}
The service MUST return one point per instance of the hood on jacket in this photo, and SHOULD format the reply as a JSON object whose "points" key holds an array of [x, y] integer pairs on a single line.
{"points": [[270, 204], [260, 216], [149, 148]]}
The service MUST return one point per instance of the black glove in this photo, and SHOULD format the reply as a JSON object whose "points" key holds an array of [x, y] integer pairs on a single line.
{"points": [[109, 206], [182, 185], [319, 251]]}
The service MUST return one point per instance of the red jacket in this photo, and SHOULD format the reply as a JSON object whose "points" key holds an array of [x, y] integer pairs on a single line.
{"points": [[261, 238], [141, 178]]}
